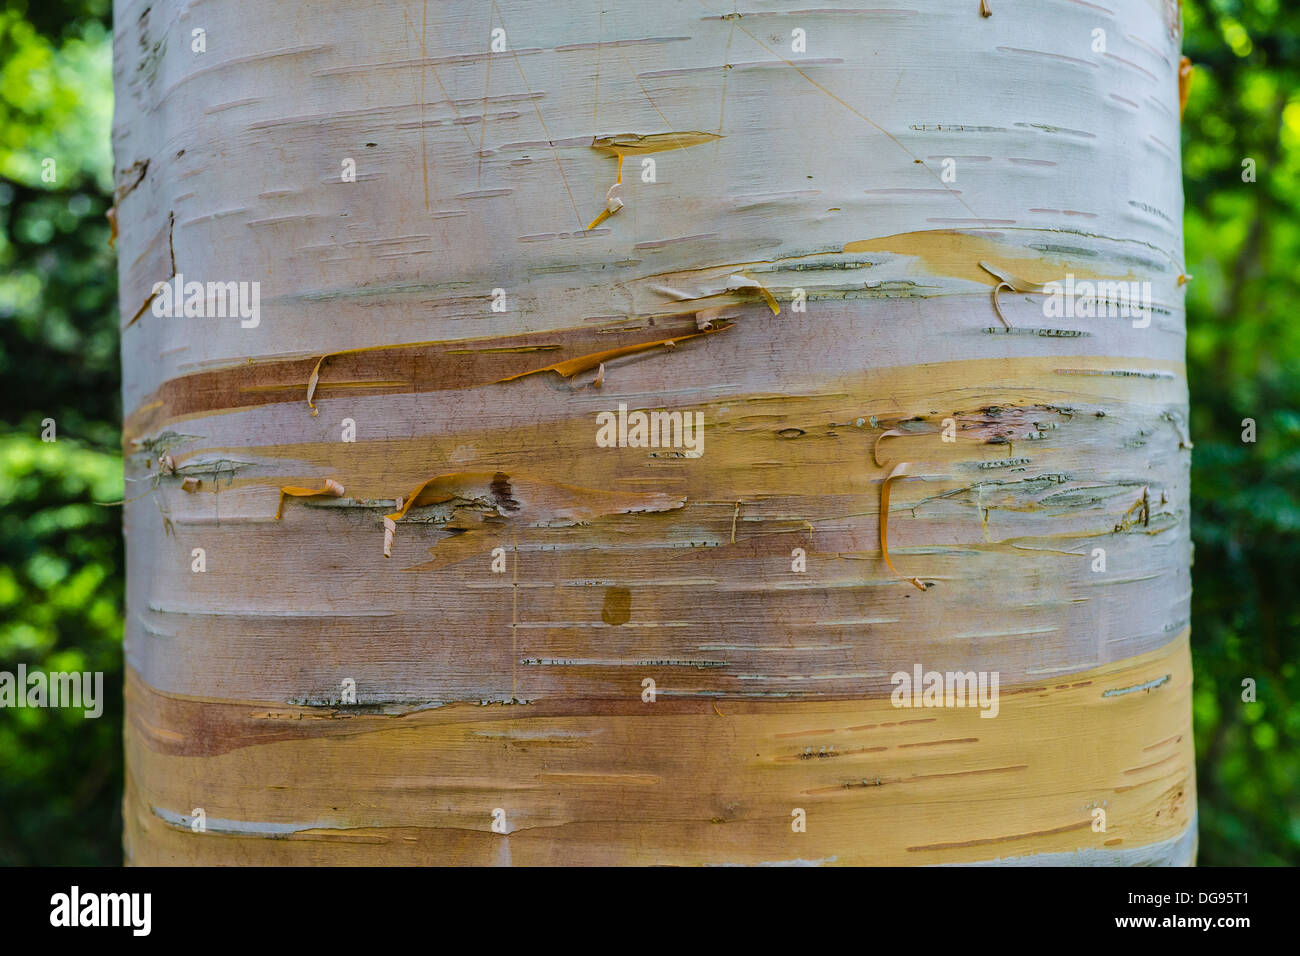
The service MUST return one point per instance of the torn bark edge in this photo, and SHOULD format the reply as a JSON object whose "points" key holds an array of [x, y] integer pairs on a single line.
{"points": [[171, 255], [1176, 419], [403, 505], [1143, 508], [141, 169]]}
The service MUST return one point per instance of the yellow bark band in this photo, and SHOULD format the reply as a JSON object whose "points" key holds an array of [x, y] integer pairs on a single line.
{"points": [[673, 781]]}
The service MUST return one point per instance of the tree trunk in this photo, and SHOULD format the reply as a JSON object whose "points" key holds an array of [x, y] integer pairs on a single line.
{"points": [[493, 618]]}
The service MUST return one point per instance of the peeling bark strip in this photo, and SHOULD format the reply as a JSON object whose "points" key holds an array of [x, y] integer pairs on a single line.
{"points": [[897, 471], [395, 369], [633, 144], [635, 655], [331, 488]]}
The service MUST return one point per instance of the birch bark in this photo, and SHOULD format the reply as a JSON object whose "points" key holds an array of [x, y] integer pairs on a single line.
{"points": [[476, 228]]}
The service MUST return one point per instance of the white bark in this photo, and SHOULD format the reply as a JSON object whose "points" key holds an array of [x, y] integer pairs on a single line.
{"points": [[775, 171]]}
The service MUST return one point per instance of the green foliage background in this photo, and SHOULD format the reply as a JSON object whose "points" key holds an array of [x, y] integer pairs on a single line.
{"points": [[61, 573]]}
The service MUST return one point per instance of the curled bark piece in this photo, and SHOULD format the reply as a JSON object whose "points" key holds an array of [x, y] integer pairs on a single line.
{"points": [[984, 9], [612, 201], [899, 470], [190, 484], [544, 502], [541, 503], [737, 282], [1011, 280], [636, 144], [405, 504], [625, 144], [1143, 508], [998, 308], [314, 379], [1184, 83], [312, 382], [875, 449], [706, 320], [582, 363], [332, 489]]}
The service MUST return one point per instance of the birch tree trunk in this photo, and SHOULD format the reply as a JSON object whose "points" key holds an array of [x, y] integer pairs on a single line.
{"points": [[487, 623]]}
